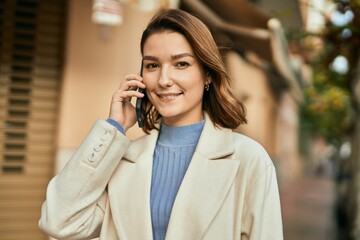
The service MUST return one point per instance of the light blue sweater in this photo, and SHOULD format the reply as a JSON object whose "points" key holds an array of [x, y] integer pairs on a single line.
{"points": [[173, 152]]}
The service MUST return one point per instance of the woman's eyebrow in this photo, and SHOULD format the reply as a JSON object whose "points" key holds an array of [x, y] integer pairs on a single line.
{"points": [[181, 55], [176, 56], [152, 58]]}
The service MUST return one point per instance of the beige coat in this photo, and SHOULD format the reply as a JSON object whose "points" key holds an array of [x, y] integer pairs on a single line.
{"points": [[229, 191]]}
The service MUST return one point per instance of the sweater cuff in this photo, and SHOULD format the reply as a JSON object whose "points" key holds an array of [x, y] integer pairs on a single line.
{"points": [[116, 124]]}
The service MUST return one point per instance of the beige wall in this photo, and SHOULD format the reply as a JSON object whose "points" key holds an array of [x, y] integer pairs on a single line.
{"points": [[288, 139], [96, 60], [273, 124], [251, 85]]}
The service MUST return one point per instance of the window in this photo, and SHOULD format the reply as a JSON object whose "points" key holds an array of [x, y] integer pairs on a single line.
{"points": [[31, 47]]}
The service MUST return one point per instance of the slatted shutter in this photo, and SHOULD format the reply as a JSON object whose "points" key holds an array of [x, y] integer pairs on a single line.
{"points": [[31, 39]]}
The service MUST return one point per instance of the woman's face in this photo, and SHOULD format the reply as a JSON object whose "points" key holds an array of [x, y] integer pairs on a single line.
{"points": [[174, 78]]}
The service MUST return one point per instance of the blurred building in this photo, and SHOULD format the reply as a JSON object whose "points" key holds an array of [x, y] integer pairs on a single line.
{"points": [[267, 76], [60, 67]]}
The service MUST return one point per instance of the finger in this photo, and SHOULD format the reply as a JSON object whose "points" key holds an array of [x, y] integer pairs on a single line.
{"points": [[129, 78], [133, 77], [130, 94], [126, 96], [132, 84]]}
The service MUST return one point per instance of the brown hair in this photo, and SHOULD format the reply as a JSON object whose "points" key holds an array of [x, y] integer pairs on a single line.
{"points": [[221, 104]]}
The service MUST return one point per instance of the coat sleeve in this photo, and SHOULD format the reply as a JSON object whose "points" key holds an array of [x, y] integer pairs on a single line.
{"points": [[262, 214], [75, 198]]}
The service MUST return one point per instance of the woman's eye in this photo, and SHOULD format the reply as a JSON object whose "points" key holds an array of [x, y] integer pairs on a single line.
{"points": [[151, 66], [182, 64]]}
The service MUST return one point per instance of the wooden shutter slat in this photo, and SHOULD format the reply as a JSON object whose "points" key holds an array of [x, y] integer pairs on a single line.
{"points": [[31, 40]]}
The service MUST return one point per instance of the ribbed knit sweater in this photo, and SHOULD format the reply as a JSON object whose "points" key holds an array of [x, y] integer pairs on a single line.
{"points": [[173, 152]]}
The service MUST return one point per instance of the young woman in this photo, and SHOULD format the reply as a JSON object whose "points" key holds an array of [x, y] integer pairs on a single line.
{"points": [[190, 177]]}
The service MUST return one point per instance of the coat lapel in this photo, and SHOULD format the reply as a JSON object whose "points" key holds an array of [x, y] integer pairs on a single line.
{"points": [[129, 190], [205, 185], [203, 190]]}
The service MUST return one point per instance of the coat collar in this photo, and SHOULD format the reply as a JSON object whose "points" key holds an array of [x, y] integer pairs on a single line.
{"points": [[204, 187], [214, 143]]}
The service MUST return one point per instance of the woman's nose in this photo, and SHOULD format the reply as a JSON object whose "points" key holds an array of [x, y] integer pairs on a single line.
{"points": [[164, 78]]}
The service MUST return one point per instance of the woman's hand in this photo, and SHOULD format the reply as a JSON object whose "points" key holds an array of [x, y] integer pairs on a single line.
{"points": [[121, 109]]}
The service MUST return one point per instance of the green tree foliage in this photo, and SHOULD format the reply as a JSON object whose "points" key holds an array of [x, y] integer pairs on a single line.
{"points": [[328, 109]]}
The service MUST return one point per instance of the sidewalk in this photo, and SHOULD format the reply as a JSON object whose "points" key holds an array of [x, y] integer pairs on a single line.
{"points": [[307, 208]]}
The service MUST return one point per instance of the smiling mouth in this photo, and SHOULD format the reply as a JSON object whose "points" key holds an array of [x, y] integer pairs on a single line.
{"points": [[168, 96]]}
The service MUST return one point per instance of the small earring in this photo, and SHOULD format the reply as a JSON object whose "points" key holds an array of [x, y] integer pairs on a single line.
{"points": [[207, 87]]}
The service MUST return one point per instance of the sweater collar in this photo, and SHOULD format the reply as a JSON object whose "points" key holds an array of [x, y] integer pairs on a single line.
{"points": [[176, 136]]}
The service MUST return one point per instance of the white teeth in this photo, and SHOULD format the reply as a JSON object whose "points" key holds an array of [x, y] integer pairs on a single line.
{"points": [[169, 96]]}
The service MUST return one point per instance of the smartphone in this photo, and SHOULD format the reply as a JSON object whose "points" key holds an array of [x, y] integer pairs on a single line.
{"points": [[138, 104]]}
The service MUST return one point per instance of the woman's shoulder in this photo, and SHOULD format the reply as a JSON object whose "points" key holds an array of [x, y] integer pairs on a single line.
{"points": [[245, 142], [250, 151]]}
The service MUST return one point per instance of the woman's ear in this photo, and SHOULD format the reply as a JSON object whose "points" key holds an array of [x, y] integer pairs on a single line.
{"points": [[208, 81], [208, 76]]}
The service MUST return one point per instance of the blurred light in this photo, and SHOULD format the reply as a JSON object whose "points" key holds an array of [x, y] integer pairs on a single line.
{"points": [[341, 19], [346, 33], [315, 21], [345, 150], [340, 65], [107, 12], [153, 5], [148, 5]]}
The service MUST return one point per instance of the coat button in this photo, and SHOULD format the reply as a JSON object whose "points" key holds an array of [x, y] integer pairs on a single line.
{"points": [[105, 136], [98, 148], [91, 157]]}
